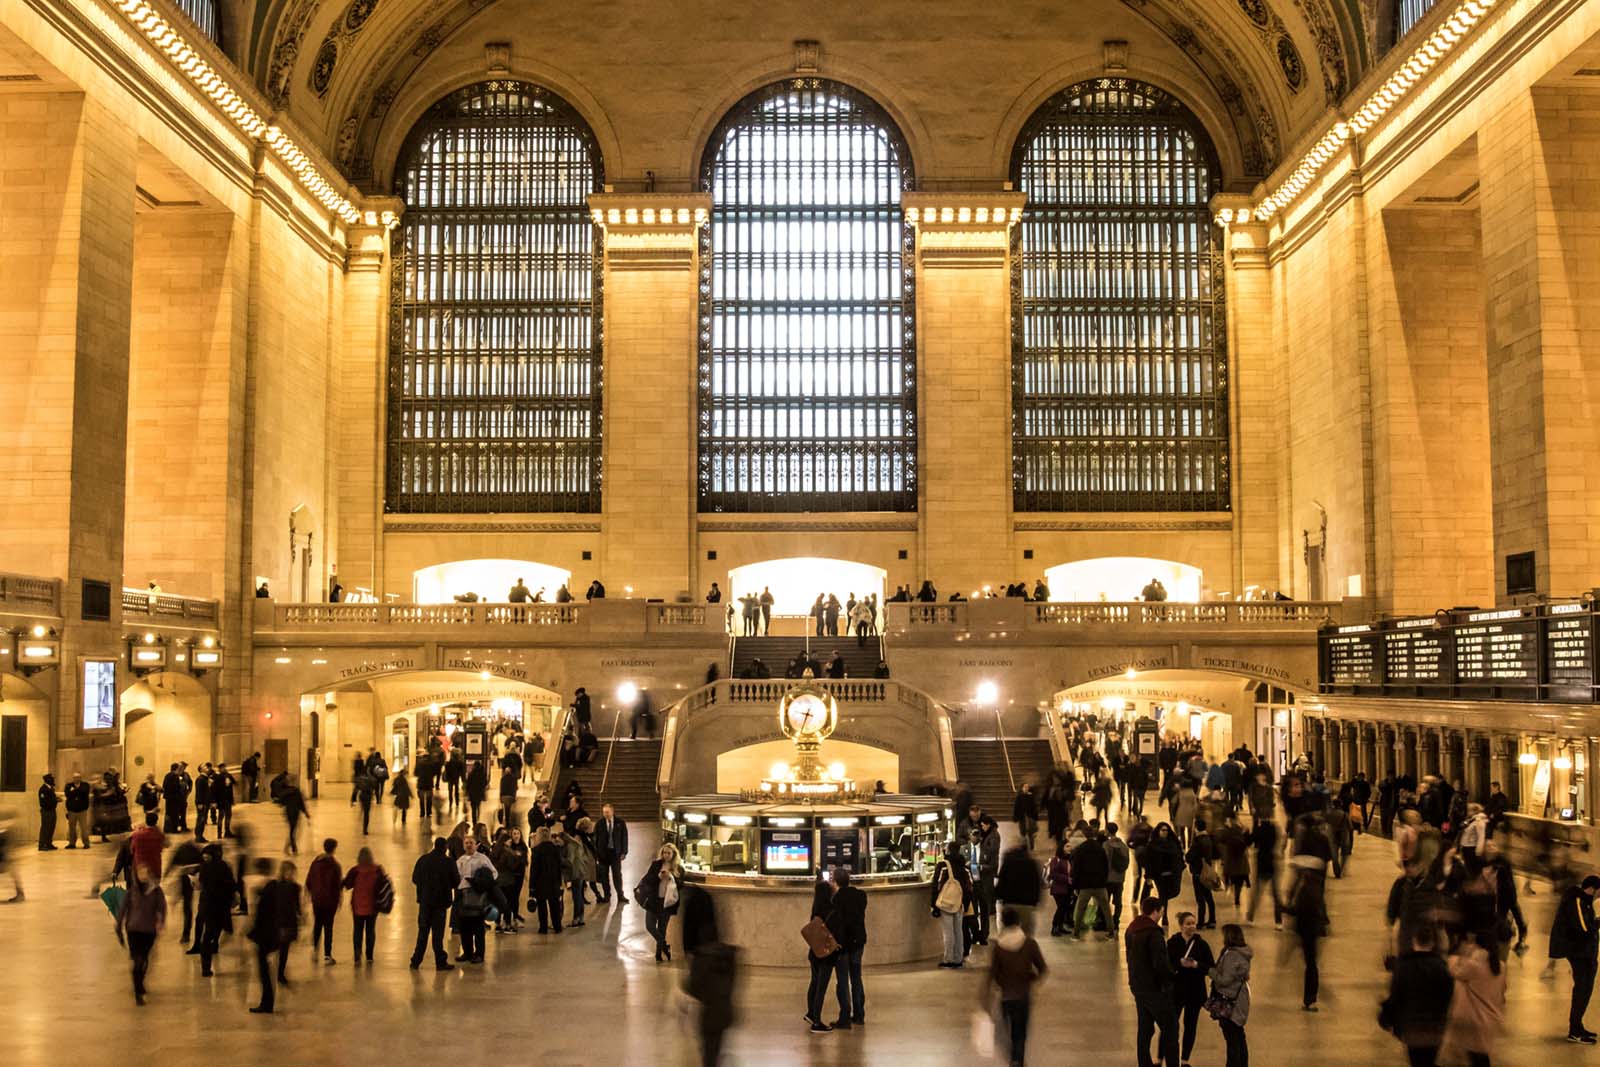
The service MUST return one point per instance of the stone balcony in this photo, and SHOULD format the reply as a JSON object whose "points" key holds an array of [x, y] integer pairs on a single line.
{"points": [[575, 623], [1016, 615], [27, 597]]}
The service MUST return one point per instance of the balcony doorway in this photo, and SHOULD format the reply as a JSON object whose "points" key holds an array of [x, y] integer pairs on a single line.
{"points": [[489, 579], [1122, 578], [795, 583]]}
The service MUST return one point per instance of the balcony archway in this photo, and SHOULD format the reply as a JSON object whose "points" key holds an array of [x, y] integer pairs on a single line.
{"points": [[1122, 578], [796, 581], [490, 579]]}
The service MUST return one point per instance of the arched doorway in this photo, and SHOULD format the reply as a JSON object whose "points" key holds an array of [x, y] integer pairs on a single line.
{"points": [[25, 711], [795, 583], [1216, 709], [490, 579], [166, 719], [1122, 578]]}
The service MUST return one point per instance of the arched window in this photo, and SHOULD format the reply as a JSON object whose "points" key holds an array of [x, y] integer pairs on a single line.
{"points": [[1119, 347], [203, 13], [494, 360], [1407, 13], [807, 336]]}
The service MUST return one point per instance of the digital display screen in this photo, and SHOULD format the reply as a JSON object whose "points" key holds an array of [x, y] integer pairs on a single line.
{"points": [[785, 852], [99, 694]]}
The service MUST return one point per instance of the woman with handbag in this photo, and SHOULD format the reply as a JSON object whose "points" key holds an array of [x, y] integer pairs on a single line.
{"points": [[362, 881], [823, 955], [1229, 1002], [1191, 958], [659, 887], [952, 896]]}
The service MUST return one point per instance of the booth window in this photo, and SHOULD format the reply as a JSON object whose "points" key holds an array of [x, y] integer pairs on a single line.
{"points": [[807, 339], [1119, 344], [494, 362]]}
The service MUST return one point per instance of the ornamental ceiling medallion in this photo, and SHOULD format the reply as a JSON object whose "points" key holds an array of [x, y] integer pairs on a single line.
{"points": [[342, 32]]}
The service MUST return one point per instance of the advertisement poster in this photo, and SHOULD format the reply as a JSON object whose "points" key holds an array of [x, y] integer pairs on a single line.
{"points": [[99, 694]]}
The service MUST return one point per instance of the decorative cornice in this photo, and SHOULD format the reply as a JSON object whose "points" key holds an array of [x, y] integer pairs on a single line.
{"points": [[1090, 525], [908, 524], [527, 526], [664, 213], [963, 212], [216, 84]]}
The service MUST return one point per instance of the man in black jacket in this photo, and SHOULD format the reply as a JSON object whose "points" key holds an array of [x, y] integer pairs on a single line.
{"points": [[1150, 980], [1091, 869], [177, 799], [1573, 938], [435, 877], [848, 924], [610, 849]]}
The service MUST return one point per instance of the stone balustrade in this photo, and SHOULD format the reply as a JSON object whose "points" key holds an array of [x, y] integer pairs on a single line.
{"points": [[167, 608], [610, 616], [22, 594], [960, 615]]}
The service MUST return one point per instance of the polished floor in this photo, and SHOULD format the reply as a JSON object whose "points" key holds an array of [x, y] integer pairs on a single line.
{"points": [[595, 995]]}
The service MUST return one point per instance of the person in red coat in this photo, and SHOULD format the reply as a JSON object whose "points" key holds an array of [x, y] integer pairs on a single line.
{"points": [[323, 885], [362, 881]]}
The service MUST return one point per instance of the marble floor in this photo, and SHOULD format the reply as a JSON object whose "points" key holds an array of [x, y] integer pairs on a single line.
{"points": [[595, 995]]}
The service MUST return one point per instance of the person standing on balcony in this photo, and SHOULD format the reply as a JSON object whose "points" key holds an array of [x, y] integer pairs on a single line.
{"points": [[715, 596], [861, 617], [1154, 592], [563, 595], [819, 613], [1041, 592], [832, 610], [335, 592], [766, 602], [927, 594]]}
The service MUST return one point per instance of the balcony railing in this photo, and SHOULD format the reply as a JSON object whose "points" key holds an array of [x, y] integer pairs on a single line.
{"points": [[164, 607], [367, 616], [958, 615], [22, 594]]}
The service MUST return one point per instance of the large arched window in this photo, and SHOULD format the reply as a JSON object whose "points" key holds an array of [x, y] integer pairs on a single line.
{"points": [[203, 13], [494, 362], [807, 337], [1119, 348]]}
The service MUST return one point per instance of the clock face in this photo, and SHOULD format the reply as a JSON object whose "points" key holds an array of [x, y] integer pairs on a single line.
{"points": [[807, 714]]}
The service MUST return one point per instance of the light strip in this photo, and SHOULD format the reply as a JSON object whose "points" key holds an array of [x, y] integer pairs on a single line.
{"points": [[1400, 84], [169, 41]]}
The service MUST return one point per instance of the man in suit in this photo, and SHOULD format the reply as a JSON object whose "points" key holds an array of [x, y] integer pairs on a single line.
{"points": [[610, 849], [177, 799]]}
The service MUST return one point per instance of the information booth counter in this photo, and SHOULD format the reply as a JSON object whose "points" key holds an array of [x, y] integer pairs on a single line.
{"points": [[760, 859]]}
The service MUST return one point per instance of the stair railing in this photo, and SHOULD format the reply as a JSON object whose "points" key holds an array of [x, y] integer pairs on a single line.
{"points": [[616, 724], [544, 782], [999, 731]]}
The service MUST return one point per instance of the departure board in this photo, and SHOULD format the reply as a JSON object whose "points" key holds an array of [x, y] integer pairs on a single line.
{"points": [[1497, 648], [1416, 652], [1352, 656], [1569, 651]]}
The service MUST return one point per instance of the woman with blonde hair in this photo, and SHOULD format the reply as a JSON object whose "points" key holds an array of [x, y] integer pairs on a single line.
{"points": [[659, 888], [580, 866]]}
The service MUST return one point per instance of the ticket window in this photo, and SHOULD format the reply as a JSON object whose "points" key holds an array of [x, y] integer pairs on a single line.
{"points": [[718, 848]]}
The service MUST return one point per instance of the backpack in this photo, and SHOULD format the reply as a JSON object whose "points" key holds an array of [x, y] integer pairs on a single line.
{"points": [[383, 893], [645, 893], [950, 895], [473, 904]]}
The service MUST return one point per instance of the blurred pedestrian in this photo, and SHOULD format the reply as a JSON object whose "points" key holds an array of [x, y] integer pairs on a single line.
{"points": [[1015, 965], [1477, 1004], [276, 928], [1573, 938], [713, 975], [1419, 998], [139, 921]]}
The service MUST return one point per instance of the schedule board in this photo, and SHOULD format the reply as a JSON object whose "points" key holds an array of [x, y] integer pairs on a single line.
{"points": [[1497, 649]]}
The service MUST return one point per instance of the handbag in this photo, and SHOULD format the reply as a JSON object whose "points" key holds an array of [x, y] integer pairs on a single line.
{"points": [[1210, 877], [949, 898], [1218, 1006], [819, 939]]}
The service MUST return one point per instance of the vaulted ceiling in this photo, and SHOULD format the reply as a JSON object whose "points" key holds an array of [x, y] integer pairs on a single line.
{"points": [[652, 76]]}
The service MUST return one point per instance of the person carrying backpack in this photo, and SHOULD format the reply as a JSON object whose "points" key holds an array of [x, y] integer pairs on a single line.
{"points": [[952, 898]]}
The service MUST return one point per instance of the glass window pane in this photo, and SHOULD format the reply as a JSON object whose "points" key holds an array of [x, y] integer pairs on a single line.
{"points": [[494, 368], [1119, 350], [807, 347]]}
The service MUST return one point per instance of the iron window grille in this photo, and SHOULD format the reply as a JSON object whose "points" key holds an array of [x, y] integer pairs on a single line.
{"points": [[807, 369], [495, 321], [1407, 13], [203, 13], [1119, 344]]}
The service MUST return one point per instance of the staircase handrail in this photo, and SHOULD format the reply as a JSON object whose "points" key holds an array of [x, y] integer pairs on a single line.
{"points": [[1060, 750], [1000, 732], [544, 781], [616, 724]]}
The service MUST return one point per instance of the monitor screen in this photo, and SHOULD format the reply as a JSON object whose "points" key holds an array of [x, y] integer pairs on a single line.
{"points": [[99, 694], [785, 852]]}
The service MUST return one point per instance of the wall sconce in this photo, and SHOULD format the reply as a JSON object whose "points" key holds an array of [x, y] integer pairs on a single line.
{"points": [[37, 648], [205, 655], [147, 654], [1527, 759]]}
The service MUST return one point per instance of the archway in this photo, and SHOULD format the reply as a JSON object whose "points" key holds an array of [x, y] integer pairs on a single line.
{"points": [[1122, 578], [795, 582], [490, 579], [25, 711], [166, 719], [397, 714], [1216, 709]]}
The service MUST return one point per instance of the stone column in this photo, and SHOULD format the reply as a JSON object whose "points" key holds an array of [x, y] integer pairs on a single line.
{"points": [[650, 494], [67, 195], [361, 405], [1254, 411], [964, 382], [1541, 210]]}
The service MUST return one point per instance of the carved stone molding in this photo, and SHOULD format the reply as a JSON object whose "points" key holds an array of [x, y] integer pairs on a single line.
{"points": [[810, 526], [1080, 525], [807, 57], [527, 526], [1116, 56]]}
